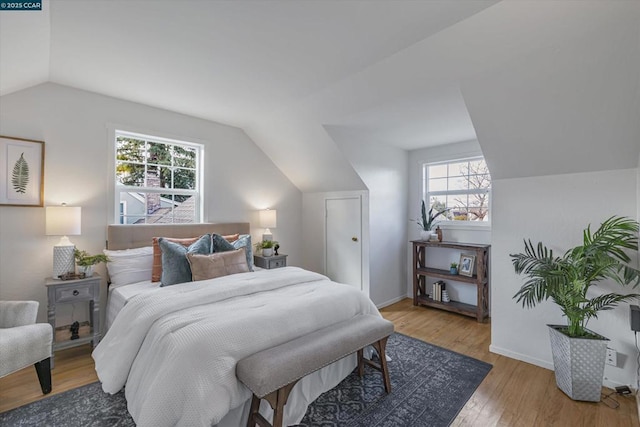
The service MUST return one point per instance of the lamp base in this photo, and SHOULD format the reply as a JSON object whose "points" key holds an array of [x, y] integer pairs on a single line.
{"points": [[63, 260]]}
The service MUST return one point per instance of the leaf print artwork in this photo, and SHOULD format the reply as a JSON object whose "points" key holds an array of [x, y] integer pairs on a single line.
{"points": [[20, 175]]}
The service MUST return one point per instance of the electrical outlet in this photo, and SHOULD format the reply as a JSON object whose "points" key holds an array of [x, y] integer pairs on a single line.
{"points": [[612, 357]]}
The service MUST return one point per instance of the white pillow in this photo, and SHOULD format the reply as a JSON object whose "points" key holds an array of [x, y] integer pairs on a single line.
{"points": [[129, 265]]}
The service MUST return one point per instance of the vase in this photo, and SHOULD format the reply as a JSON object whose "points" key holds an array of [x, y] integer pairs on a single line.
{"points": [[86, 269], [578, 364], [425, 234], [453, 270], [267, 251]]}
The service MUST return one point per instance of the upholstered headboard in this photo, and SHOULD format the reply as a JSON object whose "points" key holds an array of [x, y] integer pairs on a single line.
{"points": [[136, 236]]}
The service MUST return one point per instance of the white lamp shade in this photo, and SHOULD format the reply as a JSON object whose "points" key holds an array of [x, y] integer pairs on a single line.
{"points": [[63, 221], [268, 218]]}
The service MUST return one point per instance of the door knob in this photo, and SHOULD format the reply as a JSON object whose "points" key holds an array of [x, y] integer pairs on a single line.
{"points": [[354, 238]]}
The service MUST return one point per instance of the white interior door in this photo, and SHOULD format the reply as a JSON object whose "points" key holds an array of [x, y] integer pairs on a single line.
{"points": [[344, 240]]}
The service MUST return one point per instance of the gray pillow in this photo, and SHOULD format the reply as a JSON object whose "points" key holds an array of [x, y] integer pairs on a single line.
{"points": [[244, 241], [175, 266], [220, 244]]}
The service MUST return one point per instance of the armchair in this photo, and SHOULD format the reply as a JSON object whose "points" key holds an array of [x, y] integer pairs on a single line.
{"points": [[24, 342]]}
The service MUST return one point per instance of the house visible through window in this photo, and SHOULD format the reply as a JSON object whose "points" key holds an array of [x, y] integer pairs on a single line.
{"points": [[462, 187], [157, 180]]}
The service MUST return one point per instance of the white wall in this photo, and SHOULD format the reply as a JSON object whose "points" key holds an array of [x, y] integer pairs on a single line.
{"points": [[384, 171], [555, 209], [464, 233], [239, 178]]}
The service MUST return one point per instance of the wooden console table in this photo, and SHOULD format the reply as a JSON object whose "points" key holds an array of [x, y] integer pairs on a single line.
{"points": [[420, 272]]}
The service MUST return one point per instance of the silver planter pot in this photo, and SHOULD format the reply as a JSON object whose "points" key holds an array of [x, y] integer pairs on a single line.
{"points": [[578, 364]]}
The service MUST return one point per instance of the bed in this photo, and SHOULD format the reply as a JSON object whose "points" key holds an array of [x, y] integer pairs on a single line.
{"points": [[175, 348]]}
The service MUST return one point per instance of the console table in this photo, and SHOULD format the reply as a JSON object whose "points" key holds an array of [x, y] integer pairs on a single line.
{"points": [[421, 271]]}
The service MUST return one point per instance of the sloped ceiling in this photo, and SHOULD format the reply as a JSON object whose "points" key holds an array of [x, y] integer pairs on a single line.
{"points": [[524, 77]]}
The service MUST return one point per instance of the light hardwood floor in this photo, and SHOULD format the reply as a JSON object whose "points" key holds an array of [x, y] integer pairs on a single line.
{"points": [[513, 394]]}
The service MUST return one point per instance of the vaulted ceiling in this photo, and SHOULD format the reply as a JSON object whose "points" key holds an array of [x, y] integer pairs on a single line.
{"points": [[546, 87]]}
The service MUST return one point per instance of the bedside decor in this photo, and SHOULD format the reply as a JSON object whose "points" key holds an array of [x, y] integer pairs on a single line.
{"points": [[267, 247], [22, 182], [268, 219], [578, 353], [466, 265], [63, 221], [86, 262]]}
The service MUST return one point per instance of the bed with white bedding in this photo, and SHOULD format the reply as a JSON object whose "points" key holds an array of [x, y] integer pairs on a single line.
{"points": [[175, 348]]}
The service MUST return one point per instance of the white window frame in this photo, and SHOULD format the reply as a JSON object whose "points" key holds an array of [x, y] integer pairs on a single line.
{"points": [[117, 189], [426, 196]]}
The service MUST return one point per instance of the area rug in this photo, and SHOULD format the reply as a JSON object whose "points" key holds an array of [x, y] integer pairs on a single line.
{"points": [[430, 385]]}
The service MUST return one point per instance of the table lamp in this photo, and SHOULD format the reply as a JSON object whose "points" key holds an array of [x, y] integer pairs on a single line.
{"points": [[63, 221], [268, 220]]}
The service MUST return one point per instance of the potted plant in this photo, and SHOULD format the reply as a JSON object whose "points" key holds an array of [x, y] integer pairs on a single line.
{"points": [[454, 268], [267, 247], [86, 262], [427, 221], [578, 353]]}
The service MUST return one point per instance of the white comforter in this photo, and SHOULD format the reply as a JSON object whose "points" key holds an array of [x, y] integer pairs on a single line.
{"points": [[177, 349]]}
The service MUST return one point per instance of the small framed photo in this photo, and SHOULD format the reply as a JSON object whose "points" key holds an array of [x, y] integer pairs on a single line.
{"points": [[467, 262], [21, 172]]}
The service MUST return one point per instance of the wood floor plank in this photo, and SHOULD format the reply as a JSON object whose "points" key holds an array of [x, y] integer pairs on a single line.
{"points": [[514, 393]]}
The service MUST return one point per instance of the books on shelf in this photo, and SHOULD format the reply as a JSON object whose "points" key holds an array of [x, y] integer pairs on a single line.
{"points": [[436, 291]]}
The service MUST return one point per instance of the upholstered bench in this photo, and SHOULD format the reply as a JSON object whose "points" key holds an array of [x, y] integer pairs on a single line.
{"points": [[272, 373]]}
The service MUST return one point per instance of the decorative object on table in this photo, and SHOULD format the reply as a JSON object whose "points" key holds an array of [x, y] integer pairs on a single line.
{"points": [[268, 219], [267, 247], [466, 265], [86, 262], [63, 221], [275, 248], [578, 353], [439, 233], [427, 221], [22, 183], [75, 329], [437, 289], [453, 269], [445, 296]]}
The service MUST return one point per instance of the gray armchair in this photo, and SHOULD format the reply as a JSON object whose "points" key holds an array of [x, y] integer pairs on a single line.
{"points": [[24, 342]]}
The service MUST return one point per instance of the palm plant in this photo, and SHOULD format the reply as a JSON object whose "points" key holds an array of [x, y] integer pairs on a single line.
{"points": [[567, 279], [427, 220]]}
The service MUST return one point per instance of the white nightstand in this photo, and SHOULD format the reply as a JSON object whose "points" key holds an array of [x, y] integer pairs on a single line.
{"points": [[71, 291]]}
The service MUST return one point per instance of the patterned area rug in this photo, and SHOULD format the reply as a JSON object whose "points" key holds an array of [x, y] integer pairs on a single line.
{"points": [[430, 385]]}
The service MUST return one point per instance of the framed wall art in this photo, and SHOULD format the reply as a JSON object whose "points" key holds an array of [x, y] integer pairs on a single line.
{"points": [[465, 267], [21, 172]]}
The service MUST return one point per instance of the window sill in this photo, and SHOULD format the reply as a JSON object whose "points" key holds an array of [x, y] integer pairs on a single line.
{"points": [[465, 226]]}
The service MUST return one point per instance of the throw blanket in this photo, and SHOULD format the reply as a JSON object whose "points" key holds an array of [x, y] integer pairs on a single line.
{"points": [[177, 349]]}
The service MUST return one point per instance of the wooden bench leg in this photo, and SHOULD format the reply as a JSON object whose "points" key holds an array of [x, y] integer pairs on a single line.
{"points": [[380, 347], [277, 399], [361, 362], [255, 409], [382, 366]]}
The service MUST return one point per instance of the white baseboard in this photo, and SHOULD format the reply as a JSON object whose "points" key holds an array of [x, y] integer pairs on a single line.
{"points": [[391, 301], [523, 357], [543, 363]]}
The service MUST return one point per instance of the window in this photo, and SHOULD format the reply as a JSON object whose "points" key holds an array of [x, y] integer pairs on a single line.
{"points": [[157, 180], [463, 187]]}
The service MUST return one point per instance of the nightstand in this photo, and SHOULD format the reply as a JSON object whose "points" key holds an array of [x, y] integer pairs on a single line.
{"points": [[269, 262], [71, 291]]}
